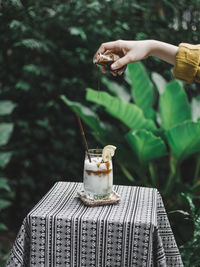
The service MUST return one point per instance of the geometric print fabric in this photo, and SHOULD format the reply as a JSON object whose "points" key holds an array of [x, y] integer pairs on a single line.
{"points": [[60, 231]]}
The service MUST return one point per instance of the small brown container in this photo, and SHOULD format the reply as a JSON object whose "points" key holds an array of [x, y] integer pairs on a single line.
{"points": [[106, 60]]}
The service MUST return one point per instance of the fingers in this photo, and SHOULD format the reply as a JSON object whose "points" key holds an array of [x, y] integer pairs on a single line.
{"points": [[108, 52], [120, 73], [120, 62], [113, 73], [114, 46]]}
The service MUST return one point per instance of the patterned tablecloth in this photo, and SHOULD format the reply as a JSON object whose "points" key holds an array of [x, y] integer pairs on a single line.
{"points": [[61, 231]]}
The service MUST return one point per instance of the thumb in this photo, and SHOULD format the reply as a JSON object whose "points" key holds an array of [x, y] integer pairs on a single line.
{"points": [[120, 62]]}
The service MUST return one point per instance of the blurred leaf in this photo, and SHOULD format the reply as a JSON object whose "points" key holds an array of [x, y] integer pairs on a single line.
{"points": [[33, 44], [184, 139], [37, 70], [4, 259], [85, 113], [4, 158], [142, 88], [116, 89], [127, 77], [195, 108], [146, 145], [190, 203], [128, 113], [94, 5], [43, 123], [17, 25], [4, 204], [23, 86], [182, 212], [6, 107], [140, 7], [174, 105], [4, 184], [3, 227], [78, 31], [6, 130], [159, 81], [16, 3]]}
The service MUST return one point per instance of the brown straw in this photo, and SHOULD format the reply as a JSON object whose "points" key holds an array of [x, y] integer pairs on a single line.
{"points": [[83, 135]]}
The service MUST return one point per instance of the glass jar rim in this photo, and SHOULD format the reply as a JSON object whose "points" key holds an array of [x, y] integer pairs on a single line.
{"points": [[95, 151]]}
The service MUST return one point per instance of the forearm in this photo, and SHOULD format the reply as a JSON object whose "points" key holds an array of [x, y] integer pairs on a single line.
{"points": [[164, 51], [185, 57]]}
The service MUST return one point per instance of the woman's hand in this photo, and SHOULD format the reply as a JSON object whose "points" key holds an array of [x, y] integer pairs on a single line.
{"points": [[132, 51], [129, 51]]}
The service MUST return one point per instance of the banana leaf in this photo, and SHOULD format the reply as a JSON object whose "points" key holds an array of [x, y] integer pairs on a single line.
{"points": [[146, 146], [174, 105], [116, 89], [195, 108], [184, 139], [90, 117], [142, 88], [159, 81], [128, 113]]}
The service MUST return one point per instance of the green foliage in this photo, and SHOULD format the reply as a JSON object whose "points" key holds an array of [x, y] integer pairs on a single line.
{"points": [[142, 89], [146, 145], [33, 44], [5, 132], [4, 158], [116, 89], [130, 114], [159, 81], [174, 106], [190, 250], [6, 129], [4, 259], [183, 140], [89, 116], [4, 185], [4, 204], [46, 50], [6, 107]]}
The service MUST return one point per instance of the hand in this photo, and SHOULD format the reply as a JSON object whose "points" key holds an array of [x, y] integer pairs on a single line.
{"points": [[129, 51], [132, 51]]}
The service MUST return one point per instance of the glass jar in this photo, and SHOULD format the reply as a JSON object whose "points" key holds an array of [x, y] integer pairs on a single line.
{"points": [[97, 176]]}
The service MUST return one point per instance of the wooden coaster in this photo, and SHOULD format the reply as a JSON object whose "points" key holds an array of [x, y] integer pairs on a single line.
{"points": [[112, 199]]}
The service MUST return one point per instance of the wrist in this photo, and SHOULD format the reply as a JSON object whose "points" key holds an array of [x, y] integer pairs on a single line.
{"points": [[153, 46], [163, 51]]}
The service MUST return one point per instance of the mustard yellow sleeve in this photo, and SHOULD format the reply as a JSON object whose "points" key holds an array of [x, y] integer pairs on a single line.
{"points": [[187, 63]]}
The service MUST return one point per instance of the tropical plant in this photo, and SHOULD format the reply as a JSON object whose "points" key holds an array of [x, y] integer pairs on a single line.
{"points": [[167, 132], [6, 129], [190, 250]]}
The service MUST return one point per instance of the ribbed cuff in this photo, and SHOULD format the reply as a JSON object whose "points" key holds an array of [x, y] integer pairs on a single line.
{"points": [[197, 77], [187, 63]]}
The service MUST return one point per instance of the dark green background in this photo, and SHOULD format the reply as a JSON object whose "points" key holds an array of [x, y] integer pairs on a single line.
{"points": [[46, 49]]}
